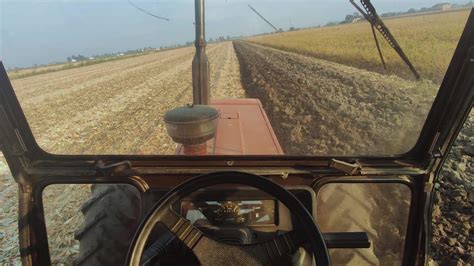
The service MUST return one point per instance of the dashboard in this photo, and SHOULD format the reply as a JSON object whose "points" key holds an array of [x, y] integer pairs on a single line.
{"points": [[241, 215], [248, 212]]}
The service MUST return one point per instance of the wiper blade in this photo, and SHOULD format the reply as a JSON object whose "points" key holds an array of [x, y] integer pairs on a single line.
{"points": [[114, 168], [146, 12], [376, 22]]}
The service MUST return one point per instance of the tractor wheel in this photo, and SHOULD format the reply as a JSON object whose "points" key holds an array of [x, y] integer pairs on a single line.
{"points": [[111, 217]]}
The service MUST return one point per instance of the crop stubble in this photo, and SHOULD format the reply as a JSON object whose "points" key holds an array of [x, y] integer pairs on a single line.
{"points": [[115, 107]]}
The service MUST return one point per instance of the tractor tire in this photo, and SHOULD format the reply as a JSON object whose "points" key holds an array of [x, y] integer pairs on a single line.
{"points": [[111, 217]]}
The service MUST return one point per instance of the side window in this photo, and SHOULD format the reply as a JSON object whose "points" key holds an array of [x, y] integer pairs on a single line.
{"points": [[381, 210]]}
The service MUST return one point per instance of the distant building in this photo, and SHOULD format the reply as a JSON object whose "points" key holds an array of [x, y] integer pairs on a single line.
{"points": [[442, 7], [73, 60], [446, 7], [352, 18]]}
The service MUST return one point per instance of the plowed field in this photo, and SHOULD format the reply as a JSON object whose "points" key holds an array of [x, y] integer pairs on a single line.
{"points": [[319, 107]]}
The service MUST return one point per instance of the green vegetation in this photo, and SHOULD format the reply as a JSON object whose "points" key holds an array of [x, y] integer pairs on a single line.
{"points": [[429, 40]]}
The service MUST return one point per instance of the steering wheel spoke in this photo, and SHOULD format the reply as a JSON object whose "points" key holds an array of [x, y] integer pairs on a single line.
{"points": [[268, 252], [212, 252], [279, 246], [182, 228]]}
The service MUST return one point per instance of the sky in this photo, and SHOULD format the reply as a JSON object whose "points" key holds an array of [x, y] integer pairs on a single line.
{"points": [[45, 31]]}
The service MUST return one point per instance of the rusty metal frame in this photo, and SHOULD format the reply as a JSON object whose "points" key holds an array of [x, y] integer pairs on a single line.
{"points": [[33, 168]]}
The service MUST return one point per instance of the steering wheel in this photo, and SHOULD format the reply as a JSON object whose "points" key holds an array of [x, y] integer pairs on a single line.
{"points": [[209, 251]]}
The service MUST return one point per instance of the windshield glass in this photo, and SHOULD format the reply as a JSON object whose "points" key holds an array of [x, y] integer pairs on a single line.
{"points": [[97, 77]]}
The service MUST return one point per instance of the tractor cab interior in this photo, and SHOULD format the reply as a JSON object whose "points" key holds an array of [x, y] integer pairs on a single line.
{"points": [[242, 185]]}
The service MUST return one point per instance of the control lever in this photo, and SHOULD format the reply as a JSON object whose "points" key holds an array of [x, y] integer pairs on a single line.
{"points": [[347, 240], [340, 239]]}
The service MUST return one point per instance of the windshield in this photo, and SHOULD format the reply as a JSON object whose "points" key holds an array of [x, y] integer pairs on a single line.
{"points": [[97, 77]]}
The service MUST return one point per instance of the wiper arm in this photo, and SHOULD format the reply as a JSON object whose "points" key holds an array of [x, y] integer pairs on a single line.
{"points": [[110, 169], [346, 167]]}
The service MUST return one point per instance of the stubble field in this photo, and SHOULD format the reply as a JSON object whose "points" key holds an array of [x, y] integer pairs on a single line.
{"points": [[110, 108]]}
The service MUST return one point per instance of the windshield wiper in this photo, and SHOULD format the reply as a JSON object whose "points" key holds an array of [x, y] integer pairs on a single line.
{"points": [[376, 22], [346, 167]]}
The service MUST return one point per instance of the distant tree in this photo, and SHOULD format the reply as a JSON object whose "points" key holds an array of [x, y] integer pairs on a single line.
{"points": [[348, 18]]}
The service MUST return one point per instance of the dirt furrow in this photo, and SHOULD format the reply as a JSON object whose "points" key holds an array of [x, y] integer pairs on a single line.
{"points": [[346, 111], [225, 82]]}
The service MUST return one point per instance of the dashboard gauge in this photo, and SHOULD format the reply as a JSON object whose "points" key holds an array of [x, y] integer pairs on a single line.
{"points": [[229, 212]]}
